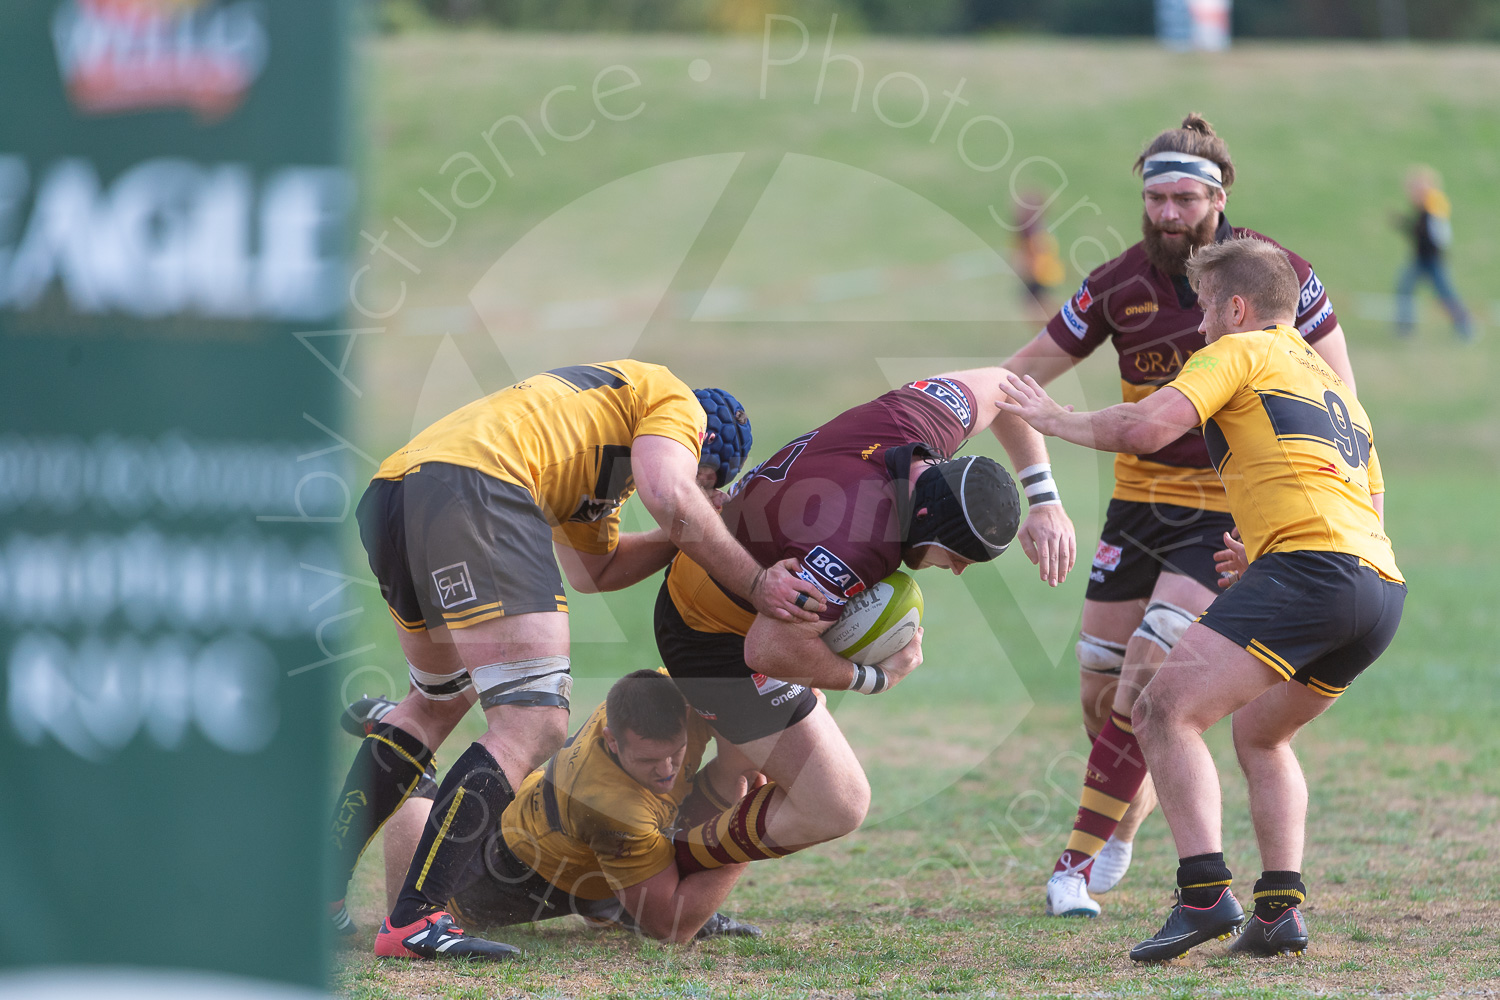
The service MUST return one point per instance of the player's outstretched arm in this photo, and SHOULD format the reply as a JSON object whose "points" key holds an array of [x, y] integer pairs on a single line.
{"points": [[666, 477], [1047, 535], [1134, 428]]}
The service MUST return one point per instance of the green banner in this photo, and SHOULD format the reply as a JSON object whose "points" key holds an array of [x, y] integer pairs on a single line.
{"points": [[174, 219]]}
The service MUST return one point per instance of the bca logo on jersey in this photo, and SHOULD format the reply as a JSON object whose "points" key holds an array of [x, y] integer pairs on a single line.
{"points": [[948, 393], [829, 567], [1312, 290]]}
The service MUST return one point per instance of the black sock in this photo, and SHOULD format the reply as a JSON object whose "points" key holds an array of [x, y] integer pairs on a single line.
{"points": [[387, 767], [1275, 892], [467, 808], [1202, 878]]}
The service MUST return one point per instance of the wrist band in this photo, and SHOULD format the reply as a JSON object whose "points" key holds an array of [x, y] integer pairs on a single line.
{"points": [[868, 679], [1039, 486]]}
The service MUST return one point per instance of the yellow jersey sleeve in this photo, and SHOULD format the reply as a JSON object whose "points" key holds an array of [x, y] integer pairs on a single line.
{"points": [[1214, 374], [629, 846], [1377, 480], [669, 409], [594, 537]]}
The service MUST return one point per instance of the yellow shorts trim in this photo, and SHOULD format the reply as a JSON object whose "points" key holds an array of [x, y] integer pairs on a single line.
{"points": [[1270, 659]]}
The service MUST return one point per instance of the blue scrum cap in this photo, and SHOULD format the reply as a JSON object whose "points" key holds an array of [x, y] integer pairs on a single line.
{"points": [[729, 440]]}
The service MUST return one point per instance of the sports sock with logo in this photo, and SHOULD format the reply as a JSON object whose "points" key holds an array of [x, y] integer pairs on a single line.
{"points": [[1275, 892], [734, 836], [1115, 773], [389, 764], [1202, 878], [468, 805]]}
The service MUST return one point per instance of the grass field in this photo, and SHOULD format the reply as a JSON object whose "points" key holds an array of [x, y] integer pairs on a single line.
{"points": [[808, 256]]}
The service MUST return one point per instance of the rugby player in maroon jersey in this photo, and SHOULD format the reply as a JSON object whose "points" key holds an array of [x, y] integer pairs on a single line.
{"points": [[1153, 571], [873, 489]]}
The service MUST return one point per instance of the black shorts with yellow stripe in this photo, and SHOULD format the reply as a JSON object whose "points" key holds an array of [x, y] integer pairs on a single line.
{"points": [[1318, 618], [453, 547]]}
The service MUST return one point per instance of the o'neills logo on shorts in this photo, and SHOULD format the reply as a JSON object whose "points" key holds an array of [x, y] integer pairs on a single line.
{"points": [[118, 56]]}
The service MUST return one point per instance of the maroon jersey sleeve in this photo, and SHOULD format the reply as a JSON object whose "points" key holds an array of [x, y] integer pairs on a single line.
{"points": [[1081, 324], [1315, 315]]}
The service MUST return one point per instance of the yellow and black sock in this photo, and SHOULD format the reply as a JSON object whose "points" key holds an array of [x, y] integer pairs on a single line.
{"points": [[1202, 879], [468, 806], [1276, 892], [389, 764]]}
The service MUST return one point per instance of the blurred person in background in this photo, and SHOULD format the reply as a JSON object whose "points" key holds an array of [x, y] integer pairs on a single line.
{"points": [[1429, 225]]}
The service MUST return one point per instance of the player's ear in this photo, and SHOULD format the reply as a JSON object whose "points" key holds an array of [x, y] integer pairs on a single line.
{"points": [[611, 742]]}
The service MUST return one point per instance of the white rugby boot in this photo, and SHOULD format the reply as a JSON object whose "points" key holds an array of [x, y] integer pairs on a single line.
{"points": [[1110, 865], [1068, 896]]}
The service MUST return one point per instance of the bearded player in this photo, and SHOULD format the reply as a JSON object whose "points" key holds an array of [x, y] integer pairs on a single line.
{"points": [[873, 489], [1153, 571]]}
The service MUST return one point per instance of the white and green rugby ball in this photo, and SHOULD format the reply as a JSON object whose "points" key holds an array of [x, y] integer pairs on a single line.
{"points": [[878, 622]]}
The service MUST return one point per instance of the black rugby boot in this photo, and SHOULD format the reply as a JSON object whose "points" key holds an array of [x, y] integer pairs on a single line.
{"points": [[1188, 926]]}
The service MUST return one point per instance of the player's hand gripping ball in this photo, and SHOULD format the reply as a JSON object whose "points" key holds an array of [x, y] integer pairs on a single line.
{"points": [[878, 623]]}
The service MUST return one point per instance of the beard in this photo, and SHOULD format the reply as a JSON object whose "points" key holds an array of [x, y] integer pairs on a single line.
{"points": [[1171, 257]]}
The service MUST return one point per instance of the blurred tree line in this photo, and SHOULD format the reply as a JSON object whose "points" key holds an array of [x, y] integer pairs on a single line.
{"points": [[1358, 19]]}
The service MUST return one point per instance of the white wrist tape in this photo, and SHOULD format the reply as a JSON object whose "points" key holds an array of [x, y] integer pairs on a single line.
{"points": [[1039, 486], [868, 679]]}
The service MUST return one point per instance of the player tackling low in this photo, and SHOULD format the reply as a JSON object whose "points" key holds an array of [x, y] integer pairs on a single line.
{"points": [[1319, 602]]}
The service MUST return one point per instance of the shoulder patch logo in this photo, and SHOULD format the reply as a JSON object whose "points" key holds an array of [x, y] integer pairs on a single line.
{"points": [[1200, 362], [949, 394], [1073, 321], [825, 566], [1084, 298]]}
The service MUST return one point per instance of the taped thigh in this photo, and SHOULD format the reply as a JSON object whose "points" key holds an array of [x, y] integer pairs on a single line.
{"points": [[1164, 624], [439, 687], [1100, 656], [543, 682]]}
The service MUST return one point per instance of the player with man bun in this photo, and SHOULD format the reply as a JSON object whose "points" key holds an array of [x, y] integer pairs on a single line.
{"points": [[460, 527], [1153, 571]]}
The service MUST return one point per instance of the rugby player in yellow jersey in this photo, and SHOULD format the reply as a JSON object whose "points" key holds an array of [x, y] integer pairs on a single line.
{"points": [[590, 833], [1319, 601], [460, 527], [1153, 569]]}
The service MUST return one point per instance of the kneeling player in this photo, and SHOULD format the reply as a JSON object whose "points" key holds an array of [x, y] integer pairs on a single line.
{"points": [[590, 832]]}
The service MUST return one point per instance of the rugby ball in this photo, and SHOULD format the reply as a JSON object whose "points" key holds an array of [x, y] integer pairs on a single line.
{"points": [[879, 621]]}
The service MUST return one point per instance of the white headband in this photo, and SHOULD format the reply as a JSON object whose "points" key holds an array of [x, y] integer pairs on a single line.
{"points": [[1168, 168]]}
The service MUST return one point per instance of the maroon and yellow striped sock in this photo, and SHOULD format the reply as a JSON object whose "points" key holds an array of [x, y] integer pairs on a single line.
{"points": [[1116, 771], [734, 836]]}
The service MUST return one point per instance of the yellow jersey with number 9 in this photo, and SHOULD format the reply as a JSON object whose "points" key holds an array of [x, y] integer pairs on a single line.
{"points": [[1292, 445], [564, 436]]}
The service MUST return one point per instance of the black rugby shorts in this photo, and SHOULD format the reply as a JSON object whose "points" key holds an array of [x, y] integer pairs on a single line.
{"points": [[1318, 618], [452, 547], [1141, 541], [709, 669]]}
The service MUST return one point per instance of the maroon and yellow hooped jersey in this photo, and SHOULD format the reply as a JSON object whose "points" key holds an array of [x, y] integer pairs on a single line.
{"points": [[1291, 443], [1152, 321], [564, 436]]}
